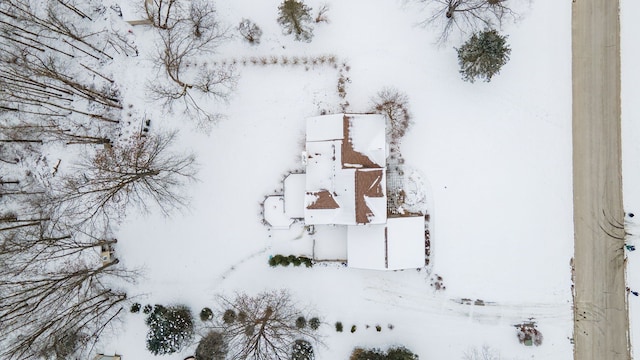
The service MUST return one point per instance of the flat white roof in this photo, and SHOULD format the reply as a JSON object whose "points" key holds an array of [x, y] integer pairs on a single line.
{"points": [[274, 212], [367, 133], [399, 244], [405, 242], [366, 248], [325, 127], [294, 186]]}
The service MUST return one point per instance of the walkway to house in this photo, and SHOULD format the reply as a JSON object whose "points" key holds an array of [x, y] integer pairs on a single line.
{"points": [[601, 322]]}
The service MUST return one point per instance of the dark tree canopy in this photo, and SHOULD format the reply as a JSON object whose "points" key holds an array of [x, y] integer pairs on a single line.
{"points": [[394, 353], [483, 55], [212, 347], [295, 18], [170, 328], [302, 350]]}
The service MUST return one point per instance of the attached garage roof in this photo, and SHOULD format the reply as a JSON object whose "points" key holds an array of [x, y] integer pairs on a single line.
{"points": [[399, 244]]}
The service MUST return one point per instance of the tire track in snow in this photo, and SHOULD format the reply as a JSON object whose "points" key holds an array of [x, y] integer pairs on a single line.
{"points": [[425, 301]]}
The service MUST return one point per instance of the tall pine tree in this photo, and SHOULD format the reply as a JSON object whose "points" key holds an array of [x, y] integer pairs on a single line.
{"points": [[295, 18], [483, 55]]}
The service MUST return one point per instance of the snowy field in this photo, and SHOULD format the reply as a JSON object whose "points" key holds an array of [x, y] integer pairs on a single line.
{"points": [[497, 158]]}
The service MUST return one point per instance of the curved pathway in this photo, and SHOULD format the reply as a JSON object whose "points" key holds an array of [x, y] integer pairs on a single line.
{"points": [[601, 322]]}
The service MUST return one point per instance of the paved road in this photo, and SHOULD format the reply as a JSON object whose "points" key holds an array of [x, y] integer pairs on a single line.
{"points": [[601, 322]]}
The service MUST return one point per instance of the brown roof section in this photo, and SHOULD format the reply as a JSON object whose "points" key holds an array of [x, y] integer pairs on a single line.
{"points": [[324, 200], [350, 157], [368, 183]]}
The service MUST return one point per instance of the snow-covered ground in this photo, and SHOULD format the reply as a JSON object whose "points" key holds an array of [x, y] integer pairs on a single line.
{"points": [[496, 156]]}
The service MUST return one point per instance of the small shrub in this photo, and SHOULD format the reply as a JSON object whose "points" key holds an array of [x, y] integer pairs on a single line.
{"points": [[242, 316], [306, 261], [250, 31], [353, 328], [302, 350], [273, 261], [339, 326], [229, 316], [314, 323], [301, 322], [378, 328], [147, 309], [206, 314], [135, 308]]}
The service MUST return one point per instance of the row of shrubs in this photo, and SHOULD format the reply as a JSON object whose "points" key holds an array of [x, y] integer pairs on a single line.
{"points": [[205, 313], [340, 327], [282, 260]]}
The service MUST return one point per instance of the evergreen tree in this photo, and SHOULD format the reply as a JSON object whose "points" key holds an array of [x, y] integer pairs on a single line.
{"points": [[212, 347], [170, 328], [302, 350], [483, 55], [295, 18]]}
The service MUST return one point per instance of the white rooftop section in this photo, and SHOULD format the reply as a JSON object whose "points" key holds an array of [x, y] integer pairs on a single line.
{"points": [[399, 244], [294, 185], [274, 212], [325, 127], [367, 134], [366, 246], [133, 10], [405, 242]]}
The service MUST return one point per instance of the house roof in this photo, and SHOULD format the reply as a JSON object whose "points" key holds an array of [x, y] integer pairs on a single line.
{"points": [[274, 212], [294, 195], [398, 244], [346, 159]]}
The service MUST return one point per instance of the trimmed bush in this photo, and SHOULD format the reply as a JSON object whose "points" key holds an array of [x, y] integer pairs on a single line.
{"points": [[282, 260], [170, 328], [306, 261], [229, 316], [302, 350], [394, 353], [301, 322], [242, 316], [378, 328], [339, 326], [212, 347], [314, 323], [135, 308], [206, 314]]}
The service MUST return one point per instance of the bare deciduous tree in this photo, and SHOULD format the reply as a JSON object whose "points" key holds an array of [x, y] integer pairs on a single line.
{"points": [[467, 15], [43, 303], [137, 172], [250, 31], [193, 32], [394, 105], [265, 326]]}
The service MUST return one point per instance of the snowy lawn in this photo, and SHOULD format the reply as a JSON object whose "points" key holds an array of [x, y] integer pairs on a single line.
{"points": [[496, 156]]}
